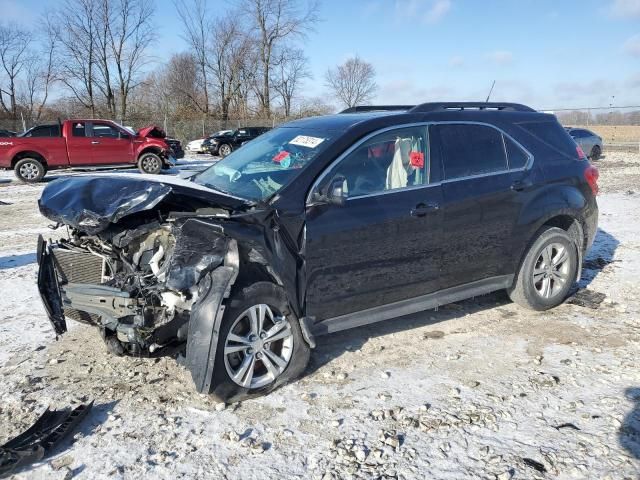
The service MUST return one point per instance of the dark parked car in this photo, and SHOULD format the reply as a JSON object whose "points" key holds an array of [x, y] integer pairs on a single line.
{"points": [[176, 147], [223, 145], [7, 133], [590, 143], [320, 225]]}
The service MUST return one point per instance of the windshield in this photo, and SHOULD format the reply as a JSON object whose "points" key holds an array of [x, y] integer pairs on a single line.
{"points": [[263, 166]]}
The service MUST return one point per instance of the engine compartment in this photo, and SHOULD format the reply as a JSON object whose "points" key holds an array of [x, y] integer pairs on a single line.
{"points": [[138, 285]]}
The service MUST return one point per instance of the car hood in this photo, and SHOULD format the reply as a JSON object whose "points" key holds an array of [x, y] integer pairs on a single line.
{"points": [[92, 203], [152, 131]]}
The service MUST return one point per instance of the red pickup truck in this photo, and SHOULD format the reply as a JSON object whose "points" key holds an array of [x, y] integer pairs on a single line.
{"points": [[83, 143]]}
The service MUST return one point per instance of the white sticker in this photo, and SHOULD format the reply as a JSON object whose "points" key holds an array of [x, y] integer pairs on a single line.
{"points": [[304, 141]]}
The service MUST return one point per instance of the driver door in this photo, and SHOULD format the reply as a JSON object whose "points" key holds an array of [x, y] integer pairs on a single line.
{"points": [[382, 245], [109, 145]]}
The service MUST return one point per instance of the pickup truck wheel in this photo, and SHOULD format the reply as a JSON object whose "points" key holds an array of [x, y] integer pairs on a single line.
{"points": [[548, 271], [29, 170], [224, 150], [260, 345], [150, 163]]}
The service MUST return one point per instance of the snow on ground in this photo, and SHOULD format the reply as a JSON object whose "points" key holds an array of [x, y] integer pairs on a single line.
{"points": [[478, 389]]}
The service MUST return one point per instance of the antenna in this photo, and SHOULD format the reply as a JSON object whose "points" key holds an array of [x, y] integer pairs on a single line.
{"points": [[490, 91]]}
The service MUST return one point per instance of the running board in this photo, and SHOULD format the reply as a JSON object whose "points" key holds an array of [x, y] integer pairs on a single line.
{"points": [[413, 305]]}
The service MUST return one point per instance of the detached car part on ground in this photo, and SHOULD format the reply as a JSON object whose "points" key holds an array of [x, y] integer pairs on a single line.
{"points": [[320, 225]]}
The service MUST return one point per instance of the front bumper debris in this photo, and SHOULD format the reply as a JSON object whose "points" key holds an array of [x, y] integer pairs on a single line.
{"points": [[41, 438], [49, 288]]}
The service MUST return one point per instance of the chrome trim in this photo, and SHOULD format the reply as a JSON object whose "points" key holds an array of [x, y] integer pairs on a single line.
{"points": [[527, 166]]}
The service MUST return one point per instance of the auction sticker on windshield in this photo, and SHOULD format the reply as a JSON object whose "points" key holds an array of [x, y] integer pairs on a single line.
{"points": [[304, 141]]}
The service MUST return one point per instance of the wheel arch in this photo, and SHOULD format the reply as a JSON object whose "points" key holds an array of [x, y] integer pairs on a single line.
{"points": [[28, 154], [151, 149]]}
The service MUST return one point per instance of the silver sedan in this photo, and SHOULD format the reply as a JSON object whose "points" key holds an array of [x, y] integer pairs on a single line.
{"points": [[590, 143]]}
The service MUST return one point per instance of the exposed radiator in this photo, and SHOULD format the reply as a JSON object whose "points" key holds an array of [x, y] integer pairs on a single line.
{"points": [[79, 267]]}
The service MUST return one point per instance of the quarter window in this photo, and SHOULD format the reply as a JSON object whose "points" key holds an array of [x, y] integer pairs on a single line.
{"points": [[469, 150], [518, 158], [389, 161]]}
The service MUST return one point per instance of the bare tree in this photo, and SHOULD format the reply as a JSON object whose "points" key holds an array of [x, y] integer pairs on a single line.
{"points": [[229, 53], [77, 31], [130, 31], [274, 21], [40, 74], [291, 68], [352, 83], [14, 57], [197, 32]]}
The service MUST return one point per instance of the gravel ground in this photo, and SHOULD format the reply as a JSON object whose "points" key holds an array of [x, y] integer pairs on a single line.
{"points": [[478, 389]]}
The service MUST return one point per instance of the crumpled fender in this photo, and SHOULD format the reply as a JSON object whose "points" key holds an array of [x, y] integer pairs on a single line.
{"points": [[204, 326]]}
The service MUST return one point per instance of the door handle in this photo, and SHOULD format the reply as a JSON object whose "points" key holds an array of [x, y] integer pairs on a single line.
{"points": [[520, 185], [95, 142], [422, 209]]}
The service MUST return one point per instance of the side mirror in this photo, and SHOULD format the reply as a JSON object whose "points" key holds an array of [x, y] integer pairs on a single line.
{"points": [[335, 194]]}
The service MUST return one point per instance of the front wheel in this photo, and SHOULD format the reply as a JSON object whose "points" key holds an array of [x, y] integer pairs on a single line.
{"points": [[150, 163], [260, 346], [548, 271], [224, 150], [29, 170], [596, 152]]}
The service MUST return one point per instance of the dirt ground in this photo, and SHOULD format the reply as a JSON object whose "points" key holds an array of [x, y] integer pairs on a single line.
{"points": [[478, 389]]}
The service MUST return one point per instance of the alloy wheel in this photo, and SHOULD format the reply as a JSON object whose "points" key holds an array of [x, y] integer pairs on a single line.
{"points": [[258, 348], [551, 271], [225, 150], [29, 171], [150, 164]]}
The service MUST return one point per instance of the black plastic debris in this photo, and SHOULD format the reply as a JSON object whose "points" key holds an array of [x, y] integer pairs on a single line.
{"points": [[566, 425], [587, 298], [529, 462], [41, 438]]}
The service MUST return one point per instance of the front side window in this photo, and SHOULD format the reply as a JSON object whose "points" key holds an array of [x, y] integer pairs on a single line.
{"points": [[105, 131], [389, 161], [469, 150], [265, 165]]}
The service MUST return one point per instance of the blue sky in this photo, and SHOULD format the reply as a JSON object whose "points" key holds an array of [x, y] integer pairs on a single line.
{"points": [[549, 54]]}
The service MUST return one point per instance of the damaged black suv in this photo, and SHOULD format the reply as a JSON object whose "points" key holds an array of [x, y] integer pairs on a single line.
{"points": [[320, 225]]}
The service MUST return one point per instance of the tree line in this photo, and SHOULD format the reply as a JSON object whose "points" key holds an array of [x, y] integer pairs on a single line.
{"points": [[102, 58]]}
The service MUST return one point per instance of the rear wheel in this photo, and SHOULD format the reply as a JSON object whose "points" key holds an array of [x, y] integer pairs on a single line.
{"points": [[29, 170], [548, 271], [596, 152], [224, 150], [150, 163], [260, 347]]}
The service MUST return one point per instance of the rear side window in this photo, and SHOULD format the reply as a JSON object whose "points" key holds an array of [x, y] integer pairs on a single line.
{"points": [[518, 158], [552, 135], [469, 150], [78, 129]]}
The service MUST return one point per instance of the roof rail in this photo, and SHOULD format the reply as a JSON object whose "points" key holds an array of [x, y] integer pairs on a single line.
{"points": [[436, 106], [376, 108]]}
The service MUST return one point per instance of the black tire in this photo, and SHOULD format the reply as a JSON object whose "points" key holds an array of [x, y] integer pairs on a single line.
{"points": [[29, 170], [531, 294], [150, 163], [226, 389], [596, 152], [224, 150]]}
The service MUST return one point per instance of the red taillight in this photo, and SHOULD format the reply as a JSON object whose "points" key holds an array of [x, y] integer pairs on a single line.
{"points": [[591, 175], [581, 154]]}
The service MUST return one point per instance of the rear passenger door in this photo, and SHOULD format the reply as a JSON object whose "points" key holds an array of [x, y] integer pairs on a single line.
{"points": [[79, 145], [481, 200]]}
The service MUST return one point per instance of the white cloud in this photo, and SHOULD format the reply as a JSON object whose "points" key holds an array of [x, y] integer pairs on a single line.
{"points": [[500, 57], [425, 11], [625, 8], [456, 61], [632, 45]]}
